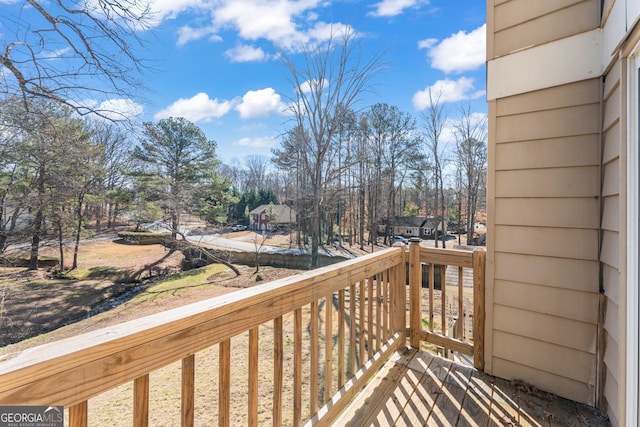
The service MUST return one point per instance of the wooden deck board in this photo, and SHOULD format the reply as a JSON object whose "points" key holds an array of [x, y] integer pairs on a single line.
{"points": [[417, 388]]}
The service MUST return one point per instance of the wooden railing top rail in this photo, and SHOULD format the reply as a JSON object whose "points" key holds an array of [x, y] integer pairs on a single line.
{"points": [[73, 370], [456, 257]]}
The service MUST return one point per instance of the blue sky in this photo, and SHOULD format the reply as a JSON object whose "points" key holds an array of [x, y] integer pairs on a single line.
{"points": [[215, 60]]}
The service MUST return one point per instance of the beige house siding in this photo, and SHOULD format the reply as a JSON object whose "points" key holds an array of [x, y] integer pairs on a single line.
{"points": [[523, 23], [557, 196], [610, 229], [546, 180]]}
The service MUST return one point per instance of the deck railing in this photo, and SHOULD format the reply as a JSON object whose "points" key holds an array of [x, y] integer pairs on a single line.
{"points": [[465, 306], [344, 320]]}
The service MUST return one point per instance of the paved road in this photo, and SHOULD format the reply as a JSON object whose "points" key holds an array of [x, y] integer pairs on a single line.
{"points": [[243, 244]]}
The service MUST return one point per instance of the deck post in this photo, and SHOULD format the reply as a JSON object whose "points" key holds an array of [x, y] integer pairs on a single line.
{"points": [[415, 291], [479, 260]]}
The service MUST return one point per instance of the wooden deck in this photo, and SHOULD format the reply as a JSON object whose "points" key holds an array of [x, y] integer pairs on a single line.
{"points": [[416, 388]]}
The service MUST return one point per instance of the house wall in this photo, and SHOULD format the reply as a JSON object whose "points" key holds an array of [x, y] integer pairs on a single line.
{"points": [[544, 186], [559, 101]]}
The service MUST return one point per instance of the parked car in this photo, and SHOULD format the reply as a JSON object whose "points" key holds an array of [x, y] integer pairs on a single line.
{"points": [[238, 227], [400, 239]]}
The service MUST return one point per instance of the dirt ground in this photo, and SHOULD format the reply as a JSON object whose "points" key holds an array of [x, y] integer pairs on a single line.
{"points": [[33, 303]]}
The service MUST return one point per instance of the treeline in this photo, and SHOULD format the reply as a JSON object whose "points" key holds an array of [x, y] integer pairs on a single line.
{"points": [[60, 173], [382, 164]]}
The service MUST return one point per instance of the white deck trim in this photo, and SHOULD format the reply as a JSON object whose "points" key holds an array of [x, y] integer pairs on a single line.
{"points": [[632, 395]]}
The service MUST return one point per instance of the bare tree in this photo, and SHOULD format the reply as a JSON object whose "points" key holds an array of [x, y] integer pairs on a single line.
{"points": [[434, 119], [72, 51], [257, 168], [471, 159], [331, 80]]}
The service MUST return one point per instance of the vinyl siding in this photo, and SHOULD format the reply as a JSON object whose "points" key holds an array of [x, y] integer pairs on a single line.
{"points": [[523, 23], [545, 238]]}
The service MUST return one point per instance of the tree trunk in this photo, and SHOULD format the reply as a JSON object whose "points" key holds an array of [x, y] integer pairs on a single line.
{"points": [[35, 240]]}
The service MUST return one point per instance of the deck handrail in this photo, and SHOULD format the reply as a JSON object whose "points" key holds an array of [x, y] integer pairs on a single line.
{"points": [[371, 290], [433, 258]]}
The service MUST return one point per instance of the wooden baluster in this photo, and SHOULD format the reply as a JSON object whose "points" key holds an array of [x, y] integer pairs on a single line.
{"points": [[278, 369], [313, 374], [188, 390], [341, 338], [479, 260], [378, 299], [398, 292], [224, 392], [460, 303], [353, 324], [385, 306], [370, 318], [362, 325], [432, 285], [297, 367], [443, 302], [252, 416], [78, 414], [141, 401], [328, 348]]}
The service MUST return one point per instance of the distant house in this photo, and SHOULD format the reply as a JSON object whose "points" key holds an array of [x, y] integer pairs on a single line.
{"points": [[270, 217], [411, 226]]}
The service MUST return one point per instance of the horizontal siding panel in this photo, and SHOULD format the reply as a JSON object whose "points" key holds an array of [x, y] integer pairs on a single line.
{"points": [[572, 20], [611, 323], [611, 282], [562, 361], [578, 275], [519, 11], [554, 182], [611, 213], [553, 330], [611, 394], [565, 387], [611, 144], [565, 303], [571, 121], [581, 150], [559, 242], [566, 212], [612, 79], [610, 252], [611, 184], [612, 109], [569, 95]]}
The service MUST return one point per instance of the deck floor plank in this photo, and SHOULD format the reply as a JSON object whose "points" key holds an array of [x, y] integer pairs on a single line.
{"points": [[477, 402], [417, 388], [447, 410], [504, 408]]}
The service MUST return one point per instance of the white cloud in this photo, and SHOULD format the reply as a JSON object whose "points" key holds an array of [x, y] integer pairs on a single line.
{"points": [[169, 9], [187, 34], [444, 91], [459, 52], [394, 7], [288, 24], [261, 103], [246, 53], [118, 109], [112, 109], [56, 54], [261, 142], [197, 108]]}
